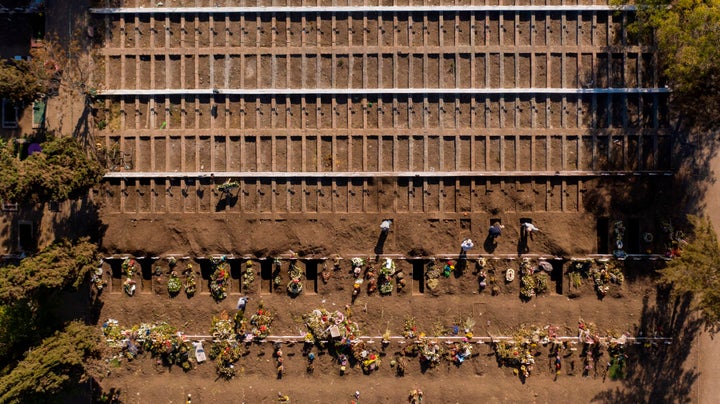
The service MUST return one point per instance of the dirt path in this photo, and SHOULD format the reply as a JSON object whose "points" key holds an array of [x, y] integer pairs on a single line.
{"points": [[709, 347]]}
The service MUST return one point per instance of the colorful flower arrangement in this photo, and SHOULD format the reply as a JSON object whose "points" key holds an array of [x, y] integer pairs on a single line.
{"points": [[295, 286], [159, 339], [429, 351], [531, 283], [519, 353], [602, 277], [248, 277], [228, 186], [189, 284], [225, 349], [219, 279], [97, 278], [261, 321], [129, 286], [368, 359], [409, 328], [129, 267], [174, 284], [432, 276], [326, 326], [387, 271]]}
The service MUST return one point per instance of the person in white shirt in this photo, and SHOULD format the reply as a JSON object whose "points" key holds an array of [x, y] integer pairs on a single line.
{"points": [[467, 244], [527, 229]]}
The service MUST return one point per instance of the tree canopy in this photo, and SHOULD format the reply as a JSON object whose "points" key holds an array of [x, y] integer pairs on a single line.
{"points": [[61, 171], [29, 297], [18, 81], [60, 266], [687, 34], [59, 362], [697, 270]]}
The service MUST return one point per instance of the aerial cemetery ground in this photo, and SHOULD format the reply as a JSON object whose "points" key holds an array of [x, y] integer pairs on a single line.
{"points": [[255, 151]]}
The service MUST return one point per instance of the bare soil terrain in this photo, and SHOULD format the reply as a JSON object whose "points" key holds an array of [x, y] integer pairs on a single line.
{"points": [[537, 156]]}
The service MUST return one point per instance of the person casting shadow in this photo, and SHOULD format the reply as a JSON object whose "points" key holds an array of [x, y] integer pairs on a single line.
{"points": [[526, 230], [494, 232], [384, 230]]}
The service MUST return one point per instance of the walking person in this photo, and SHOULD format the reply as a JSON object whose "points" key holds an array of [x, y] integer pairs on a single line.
{"points": [[528, 229], [495, 230]]}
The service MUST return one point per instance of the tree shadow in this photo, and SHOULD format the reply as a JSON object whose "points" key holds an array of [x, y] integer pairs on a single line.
{"points": [[657, 372], [227, 200]]}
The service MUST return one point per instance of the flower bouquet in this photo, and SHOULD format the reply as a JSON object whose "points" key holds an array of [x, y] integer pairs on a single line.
{"points": [[97, 280], [357, 262], [368, 359], [385, 286], [409, 328], [527, 287], [248, 276], [295, 286], [261, 321], [174, 284], [430, 352], [159, 339], [295, 271], [225, 353], [228, 186], [111, 330], [222, 327], [460, 351], [129, 286], [541, 283], [219, 280], [324, 325], [129, 267], [604, 276], [388, 268], [190, 285]]}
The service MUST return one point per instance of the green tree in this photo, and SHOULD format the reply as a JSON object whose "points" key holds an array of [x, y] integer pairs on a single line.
{"points": [[18, 81], [63, 265], [687, 34], [31, 290], [62, 171], [697, 270], [58, 363]]}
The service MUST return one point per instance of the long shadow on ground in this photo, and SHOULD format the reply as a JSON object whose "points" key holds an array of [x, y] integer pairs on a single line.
{"points": [[658, 373]]}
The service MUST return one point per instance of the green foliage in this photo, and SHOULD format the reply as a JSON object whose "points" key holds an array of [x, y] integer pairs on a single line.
{"points": [[18, 329], [57, 363], [697, 270], [686, 33], [60, 266], [62, 171], [18, 82]]}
